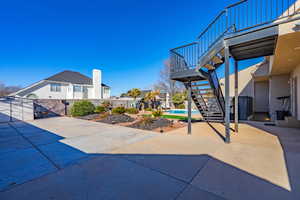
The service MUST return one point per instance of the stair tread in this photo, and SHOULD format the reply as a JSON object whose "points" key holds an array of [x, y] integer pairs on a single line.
{"points": [[202, 84]]}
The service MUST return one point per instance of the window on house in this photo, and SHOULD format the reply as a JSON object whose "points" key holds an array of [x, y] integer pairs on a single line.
{"points": [[77, 88], [55, 87], [106, 90]]}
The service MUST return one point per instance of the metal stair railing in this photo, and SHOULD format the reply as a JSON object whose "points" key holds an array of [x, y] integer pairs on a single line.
{"points": [[214, 81], [246, 15], [184, 57], [241, 16]]}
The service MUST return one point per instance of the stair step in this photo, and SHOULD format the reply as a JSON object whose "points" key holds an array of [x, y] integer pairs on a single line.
{"points": [[217, 60], [203, 89], [222, 52], [199, 85], [209, 66]]}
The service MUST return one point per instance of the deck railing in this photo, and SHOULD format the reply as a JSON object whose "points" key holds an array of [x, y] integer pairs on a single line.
{"points": [[241, 16]]}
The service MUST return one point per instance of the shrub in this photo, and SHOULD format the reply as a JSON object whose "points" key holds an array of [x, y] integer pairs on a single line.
{"points": [[106, 104], [157, 113], [181, 106], [81, 108], [118, 110], [100, 109], [178, 98], [146, 120], [132, 111], [149, 109]]}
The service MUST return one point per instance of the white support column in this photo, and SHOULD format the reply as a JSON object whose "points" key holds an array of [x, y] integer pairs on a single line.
{"points": [[189, 107], [236, 97], [227, 99]]}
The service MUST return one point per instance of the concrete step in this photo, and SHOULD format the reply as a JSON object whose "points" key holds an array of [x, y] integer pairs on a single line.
{"points": [[290, 122], [200, 84]]}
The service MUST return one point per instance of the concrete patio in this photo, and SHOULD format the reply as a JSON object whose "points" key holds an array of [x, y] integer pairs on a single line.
{"points": [[67, 158]]}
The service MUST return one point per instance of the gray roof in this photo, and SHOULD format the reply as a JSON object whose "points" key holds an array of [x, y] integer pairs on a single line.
{"points": [[72, 77]]}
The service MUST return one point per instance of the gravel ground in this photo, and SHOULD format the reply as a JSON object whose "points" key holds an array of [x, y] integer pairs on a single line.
{"points": [[116, 118], [89, 117], [155, 123]]}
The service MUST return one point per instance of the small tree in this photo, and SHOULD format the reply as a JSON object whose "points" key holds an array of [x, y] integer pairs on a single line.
{"points": [[134, 93], [157, 113], [151, 97], [178, 98]]}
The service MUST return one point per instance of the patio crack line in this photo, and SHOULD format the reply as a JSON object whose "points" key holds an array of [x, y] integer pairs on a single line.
{"points": [[36, 147]]}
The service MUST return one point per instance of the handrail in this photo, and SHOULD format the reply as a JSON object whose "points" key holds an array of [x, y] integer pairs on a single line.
{"points": [[182, 46], [241, 16], [209, 25], [235, 4]]}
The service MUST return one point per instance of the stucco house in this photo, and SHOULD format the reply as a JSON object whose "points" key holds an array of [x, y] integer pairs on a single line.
{"points": [[67, 85]]}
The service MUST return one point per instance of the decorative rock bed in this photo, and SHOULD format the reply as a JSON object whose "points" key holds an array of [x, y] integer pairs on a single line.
{"points": [[136, 121], [116, 118], [153, 124], [89, 117]]}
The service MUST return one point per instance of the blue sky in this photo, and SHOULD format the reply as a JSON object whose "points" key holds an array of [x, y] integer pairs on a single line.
{"points": [[128, 40]]}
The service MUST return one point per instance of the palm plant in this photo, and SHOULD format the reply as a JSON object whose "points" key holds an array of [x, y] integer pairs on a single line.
{"points": [[151, 97], [134, 93]]}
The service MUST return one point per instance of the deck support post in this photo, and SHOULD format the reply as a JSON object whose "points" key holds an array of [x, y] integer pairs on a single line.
{"points": [[236, 97], [189, 107], [227, 99]]}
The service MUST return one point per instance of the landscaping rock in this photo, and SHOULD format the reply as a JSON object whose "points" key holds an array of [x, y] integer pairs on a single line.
{"points": [[89, 117], [116, 118], [152, 124]]}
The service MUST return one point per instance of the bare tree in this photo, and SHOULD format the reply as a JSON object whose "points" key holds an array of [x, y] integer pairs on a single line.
{"points": [[6, 90], [165, 83]]}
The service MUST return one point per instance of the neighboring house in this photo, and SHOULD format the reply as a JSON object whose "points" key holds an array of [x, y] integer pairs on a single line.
{"points": [[67, 85]]}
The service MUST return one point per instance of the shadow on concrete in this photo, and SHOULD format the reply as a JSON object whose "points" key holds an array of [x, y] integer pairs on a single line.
{"points": [[37, 164], [289, 139]]}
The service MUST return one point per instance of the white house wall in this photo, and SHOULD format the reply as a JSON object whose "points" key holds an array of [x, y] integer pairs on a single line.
{"points": [[245, 82], [296, 73], [278, 87], [105, 93], [43, 92]]}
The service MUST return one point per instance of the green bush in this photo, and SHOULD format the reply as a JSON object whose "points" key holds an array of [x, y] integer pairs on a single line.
{"points": [[181, 106], [149, 109], [132, 111], [157, 113], [106, 104], [146, 120], [81, 108], [100, 109], [118, 110]]}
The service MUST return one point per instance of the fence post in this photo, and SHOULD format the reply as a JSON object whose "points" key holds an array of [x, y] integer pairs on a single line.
{"points": [[10, 110]]}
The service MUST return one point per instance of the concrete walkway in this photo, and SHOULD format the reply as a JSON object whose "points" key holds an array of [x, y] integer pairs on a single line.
{"points": [[66, 158]]}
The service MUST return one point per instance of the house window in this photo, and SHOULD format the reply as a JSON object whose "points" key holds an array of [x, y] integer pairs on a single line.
{"points": [[77, 88], [106, 90], [55, 87]]}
